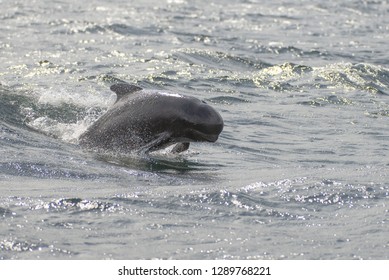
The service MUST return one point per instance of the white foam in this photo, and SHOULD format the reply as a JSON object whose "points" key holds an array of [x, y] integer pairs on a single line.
{"points": [[68, 132], [57, 96]]}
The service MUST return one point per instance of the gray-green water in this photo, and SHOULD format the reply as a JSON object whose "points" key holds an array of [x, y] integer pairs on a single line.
{"points": [[299, 172]]}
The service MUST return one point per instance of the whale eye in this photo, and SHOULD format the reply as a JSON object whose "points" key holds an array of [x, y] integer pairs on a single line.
{"points": [[203, 102]]}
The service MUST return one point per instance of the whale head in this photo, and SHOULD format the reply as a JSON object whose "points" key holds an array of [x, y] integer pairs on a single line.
{"points": [[197, 122]]}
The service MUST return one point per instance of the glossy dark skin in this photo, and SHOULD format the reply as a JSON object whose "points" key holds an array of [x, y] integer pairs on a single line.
{"points": [[144, 120]]}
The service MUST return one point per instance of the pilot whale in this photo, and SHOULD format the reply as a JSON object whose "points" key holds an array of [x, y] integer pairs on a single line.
{"points": [[148, 120]]}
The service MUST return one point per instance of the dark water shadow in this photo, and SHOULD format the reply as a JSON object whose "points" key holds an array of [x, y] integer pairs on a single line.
{"points": [[159, 163]]}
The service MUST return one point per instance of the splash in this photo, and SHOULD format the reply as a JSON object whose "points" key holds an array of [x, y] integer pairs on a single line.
{"points": [[65, 114], [68, 132]]}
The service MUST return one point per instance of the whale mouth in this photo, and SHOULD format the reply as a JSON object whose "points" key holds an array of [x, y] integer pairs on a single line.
{"points": [[210, 137], [193, 135]]}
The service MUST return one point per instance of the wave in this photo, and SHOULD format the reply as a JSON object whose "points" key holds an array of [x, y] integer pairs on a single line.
{"points": [[72, 27], [17, 245], [78, 205], [344, 76], [288, 199]]}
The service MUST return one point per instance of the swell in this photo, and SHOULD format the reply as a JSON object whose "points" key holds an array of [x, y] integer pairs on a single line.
{"points": [[294, 200]]}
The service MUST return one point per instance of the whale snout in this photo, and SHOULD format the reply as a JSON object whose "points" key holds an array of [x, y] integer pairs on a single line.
{"points": [[213, 129], [214, 123], [211, 137], [207, 126]]}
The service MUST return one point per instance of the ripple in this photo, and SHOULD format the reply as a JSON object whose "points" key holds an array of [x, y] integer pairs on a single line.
{"points": [[228, 205], [329, 192], [17, 245], [347, 76], [124, 29], [327, 100], [219, 60], [227, 100], [377, 114], [366, 77], [281, 77], [42, 170], [5, 212], [78, 204]]}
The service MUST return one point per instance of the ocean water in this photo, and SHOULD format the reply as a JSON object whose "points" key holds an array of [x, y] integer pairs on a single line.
{"points": [[300, 171]]}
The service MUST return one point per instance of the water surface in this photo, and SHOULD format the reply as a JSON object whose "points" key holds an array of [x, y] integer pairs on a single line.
{"points": [[299, 172]]}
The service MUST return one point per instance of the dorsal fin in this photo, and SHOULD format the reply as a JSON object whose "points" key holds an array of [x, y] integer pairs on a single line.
{"points": [[123, 89]]}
